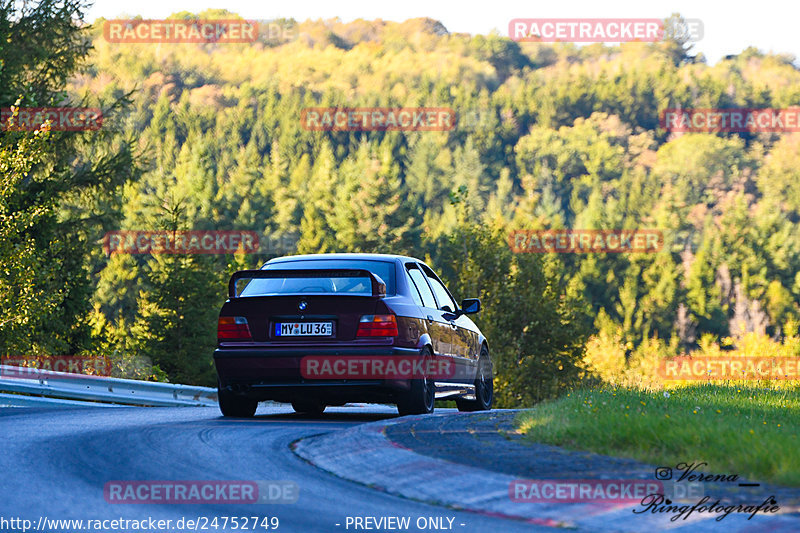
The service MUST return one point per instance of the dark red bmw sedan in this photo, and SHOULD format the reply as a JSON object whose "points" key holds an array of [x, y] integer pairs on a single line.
{"points": [[328, 329]]}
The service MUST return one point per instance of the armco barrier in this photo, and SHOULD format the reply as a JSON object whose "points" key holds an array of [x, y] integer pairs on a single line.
{"points": [[103, 389], [19, 400]]}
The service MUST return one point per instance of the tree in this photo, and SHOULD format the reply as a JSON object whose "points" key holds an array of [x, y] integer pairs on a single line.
{"points": [[24, 300], [536, 322], [177, 308], [64, 188], [177, 315]]}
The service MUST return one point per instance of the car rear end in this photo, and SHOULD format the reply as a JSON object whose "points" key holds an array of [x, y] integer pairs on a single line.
{"points": [[278, 318]]}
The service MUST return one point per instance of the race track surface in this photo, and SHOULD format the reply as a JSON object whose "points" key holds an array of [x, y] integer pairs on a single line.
{"points": [[56, 463]]}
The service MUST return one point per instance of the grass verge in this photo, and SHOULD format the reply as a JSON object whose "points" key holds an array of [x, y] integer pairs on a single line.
{"points": [[750, 432]]}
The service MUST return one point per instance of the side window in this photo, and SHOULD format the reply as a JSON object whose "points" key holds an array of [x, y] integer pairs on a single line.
{"points": [[419, 282], [414, 291], [446, 303]]}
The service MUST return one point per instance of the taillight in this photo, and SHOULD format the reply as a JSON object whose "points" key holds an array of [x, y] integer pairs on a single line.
{"points": [[233, 327], [377, 326]]}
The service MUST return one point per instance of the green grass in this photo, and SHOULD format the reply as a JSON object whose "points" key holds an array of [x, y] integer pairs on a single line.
{"points": [[750, 432]]}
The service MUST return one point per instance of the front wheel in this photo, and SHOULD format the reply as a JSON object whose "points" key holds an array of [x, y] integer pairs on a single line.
{"points": [[484, 386], [235, 406], [420, 397]]}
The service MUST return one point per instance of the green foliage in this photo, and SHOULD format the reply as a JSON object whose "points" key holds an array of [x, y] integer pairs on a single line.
{"points": [[535, 325], [58, 193], [720, 425], [24, 299], [55, 48], [548, 136], [177, 313]]}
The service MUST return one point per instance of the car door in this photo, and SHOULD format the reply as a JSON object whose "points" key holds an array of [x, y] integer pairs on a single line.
{"points": [[461, 336], [439, 327]]}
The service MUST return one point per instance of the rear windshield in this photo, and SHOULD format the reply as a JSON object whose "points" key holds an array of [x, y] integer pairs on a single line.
{"points": [[356, 286]]}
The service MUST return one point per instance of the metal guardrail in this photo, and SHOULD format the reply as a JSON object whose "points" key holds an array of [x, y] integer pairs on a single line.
{"points": [[18, 400], [64, 385]]}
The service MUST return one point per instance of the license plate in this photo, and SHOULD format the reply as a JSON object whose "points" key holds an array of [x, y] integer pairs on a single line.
{"points": [[303, 329]]}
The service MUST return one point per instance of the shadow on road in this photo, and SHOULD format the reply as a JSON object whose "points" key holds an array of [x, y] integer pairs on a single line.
{"points": [[328, 417]]}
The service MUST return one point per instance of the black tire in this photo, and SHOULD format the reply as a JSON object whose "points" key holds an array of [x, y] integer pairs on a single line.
{"points": [[234, 405], [308, 407], [484, 386], [421, 396]]}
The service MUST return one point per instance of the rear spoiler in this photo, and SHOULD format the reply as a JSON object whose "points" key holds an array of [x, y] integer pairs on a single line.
{"points": [[378, 286]]}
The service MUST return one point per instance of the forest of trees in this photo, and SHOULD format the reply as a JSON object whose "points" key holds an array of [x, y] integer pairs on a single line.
{"points": [[209, 136]]}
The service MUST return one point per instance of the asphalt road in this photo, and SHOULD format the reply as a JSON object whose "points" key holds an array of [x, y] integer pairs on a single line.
{"points": [[55, 464]]}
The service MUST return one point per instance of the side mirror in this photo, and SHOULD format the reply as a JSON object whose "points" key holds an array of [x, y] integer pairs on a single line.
{"points": [[470, 306]]}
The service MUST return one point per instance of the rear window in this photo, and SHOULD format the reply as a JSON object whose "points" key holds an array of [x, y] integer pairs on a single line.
{"points": [[357, 286]]}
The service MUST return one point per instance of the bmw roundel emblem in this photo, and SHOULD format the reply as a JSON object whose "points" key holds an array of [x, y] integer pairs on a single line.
{"points": [[302, 305]]}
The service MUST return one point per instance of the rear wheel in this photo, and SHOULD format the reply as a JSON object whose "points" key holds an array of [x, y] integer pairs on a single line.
{"points": [[308, 407], [484, 386], [420, 397], [236, 406]]}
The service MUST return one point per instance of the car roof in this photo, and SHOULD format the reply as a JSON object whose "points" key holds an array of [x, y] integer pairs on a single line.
{"points": [[352, 256]]}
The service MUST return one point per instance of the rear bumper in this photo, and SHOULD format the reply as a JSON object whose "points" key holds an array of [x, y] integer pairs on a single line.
{"points": [[275, 374]]}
